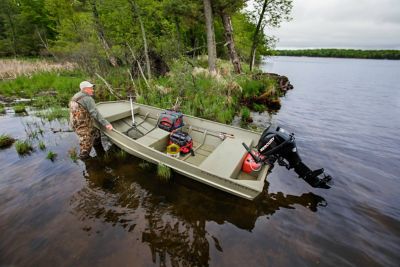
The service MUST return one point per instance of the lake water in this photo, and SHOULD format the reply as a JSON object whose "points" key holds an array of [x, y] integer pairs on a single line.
{"points": [[116, 212]]}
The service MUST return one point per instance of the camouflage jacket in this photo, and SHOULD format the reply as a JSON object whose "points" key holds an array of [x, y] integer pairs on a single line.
{"points": [[83, 110]]}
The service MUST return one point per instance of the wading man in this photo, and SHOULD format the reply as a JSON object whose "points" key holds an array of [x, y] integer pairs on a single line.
{"points": [[83, 112]]}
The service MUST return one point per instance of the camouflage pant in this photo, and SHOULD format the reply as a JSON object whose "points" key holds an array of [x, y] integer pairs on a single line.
{"points": [[89, 137]]}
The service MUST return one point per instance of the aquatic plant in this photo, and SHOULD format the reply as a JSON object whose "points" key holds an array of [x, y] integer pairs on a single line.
{"points": [[6, 141], [245, 114], [54, 113], [164, 172], [19, 108], [73, 154], [42, 145], [121, 154], [23, 147], [144, 165], [51, 155]]}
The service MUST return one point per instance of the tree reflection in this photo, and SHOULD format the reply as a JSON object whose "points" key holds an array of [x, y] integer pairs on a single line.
{"points": [[175, 213]]}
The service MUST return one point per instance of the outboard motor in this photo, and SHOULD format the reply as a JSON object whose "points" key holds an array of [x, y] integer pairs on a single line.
{"points": [[276, 144]]}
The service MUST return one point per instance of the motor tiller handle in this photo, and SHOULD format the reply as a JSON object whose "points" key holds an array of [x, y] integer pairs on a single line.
{"points": [[256, 159]]}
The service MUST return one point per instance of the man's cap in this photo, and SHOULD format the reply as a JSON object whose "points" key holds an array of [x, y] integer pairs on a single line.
{"points": [[85, 84]]}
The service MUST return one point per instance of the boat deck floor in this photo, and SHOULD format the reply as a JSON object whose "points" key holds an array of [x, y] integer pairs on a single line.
{"points": [[202, 149]]}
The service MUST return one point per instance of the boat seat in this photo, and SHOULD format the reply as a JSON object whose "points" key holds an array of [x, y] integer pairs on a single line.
{"points": [[157, 138], [227, 159]]}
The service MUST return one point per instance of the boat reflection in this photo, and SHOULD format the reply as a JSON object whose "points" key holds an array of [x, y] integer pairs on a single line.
{"points": [[171, 217]]}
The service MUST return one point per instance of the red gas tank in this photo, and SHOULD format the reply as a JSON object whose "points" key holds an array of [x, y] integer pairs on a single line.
{"points": [[249, 164]]}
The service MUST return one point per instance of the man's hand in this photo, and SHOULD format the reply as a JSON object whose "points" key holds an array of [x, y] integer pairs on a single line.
{"points": [[109, 127]]}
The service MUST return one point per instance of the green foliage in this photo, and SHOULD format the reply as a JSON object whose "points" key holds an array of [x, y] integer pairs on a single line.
{"points": [[6, 141], [54, 113], [51, 155], [23, 147], [251, 87], [63, 85], [20, 108], [42, 145], [164, 172], [245, 114], [2, 110], [342, 53], [73, 154]]}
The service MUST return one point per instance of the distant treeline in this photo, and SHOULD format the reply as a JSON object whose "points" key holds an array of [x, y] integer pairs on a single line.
{"points": [[341, 53]]}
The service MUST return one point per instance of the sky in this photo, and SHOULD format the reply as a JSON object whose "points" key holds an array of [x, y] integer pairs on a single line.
{"points": [[362, 24]]}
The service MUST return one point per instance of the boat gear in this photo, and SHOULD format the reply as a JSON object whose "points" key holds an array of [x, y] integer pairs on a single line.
{"points": [[278, 145], [170, 120], [182, 139]]}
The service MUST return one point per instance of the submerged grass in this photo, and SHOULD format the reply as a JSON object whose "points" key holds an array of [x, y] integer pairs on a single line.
{"points": [[23, 147], [19, 109], [164, 172], [51, 155], [54, 113], [6, 141], [42, 145], [73, 155]]}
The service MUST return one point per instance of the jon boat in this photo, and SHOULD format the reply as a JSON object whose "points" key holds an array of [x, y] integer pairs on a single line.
{"points": [[218, 150]]}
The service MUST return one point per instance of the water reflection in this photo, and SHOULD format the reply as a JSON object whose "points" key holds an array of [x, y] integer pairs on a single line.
{"points": [[170, 218]]}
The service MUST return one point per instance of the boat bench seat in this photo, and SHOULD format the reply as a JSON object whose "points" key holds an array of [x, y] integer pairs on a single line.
{"points": [[112, 115], [227, 159], [157, 138]]}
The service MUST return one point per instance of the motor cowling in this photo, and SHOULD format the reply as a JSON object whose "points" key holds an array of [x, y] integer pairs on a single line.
{"points": [[277, 144]]}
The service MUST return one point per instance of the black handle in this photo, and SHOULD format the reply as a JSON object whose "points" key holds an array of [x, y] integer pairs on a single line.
{"points": [[256, 159]]}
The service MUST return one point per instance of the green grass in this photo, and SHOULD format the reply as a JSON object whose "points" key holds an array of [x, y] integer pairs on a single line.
{"points": [[23, 147], [51, 155], [245, 114], [73, 155], [2, 110], [54, 113], [19, 109], [63, 84], [164, 172], [201, 95], [6, 141], [144, 165], [42, 145], [121, 154]]}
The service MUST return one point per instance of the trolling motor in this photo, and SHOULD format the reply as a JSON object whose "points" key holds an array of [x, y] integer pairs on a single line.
{"points": [[278, 145]]}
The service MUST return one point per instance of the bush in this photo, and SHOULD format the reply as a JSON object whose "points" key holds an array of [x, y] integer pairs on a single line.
{"points": [[23, 147], [19, 109], [51, 155], [6, 141]]}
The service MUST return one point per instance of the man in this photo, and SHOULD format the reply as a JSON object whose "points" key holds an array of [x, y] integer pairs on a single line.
{"points": [[83, 112]]}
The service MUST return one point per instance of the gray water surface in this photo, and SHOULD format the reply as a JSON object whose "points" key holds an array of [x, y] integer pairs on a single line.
{"points": [[111, 211]]}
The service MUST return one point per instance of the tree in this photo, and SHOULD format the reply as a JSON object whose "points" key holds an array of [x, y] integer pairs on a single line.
{"points": [[211, 46], [225, 9], [102, 37], [268, 13], [136, 12]]}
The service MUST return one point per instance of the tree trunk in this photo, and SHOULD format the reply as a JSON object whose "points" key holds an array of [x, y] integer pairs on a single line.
{"points": [[226, 21], [211, 47], [256, 34], [101, 35], [136, 12]]}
